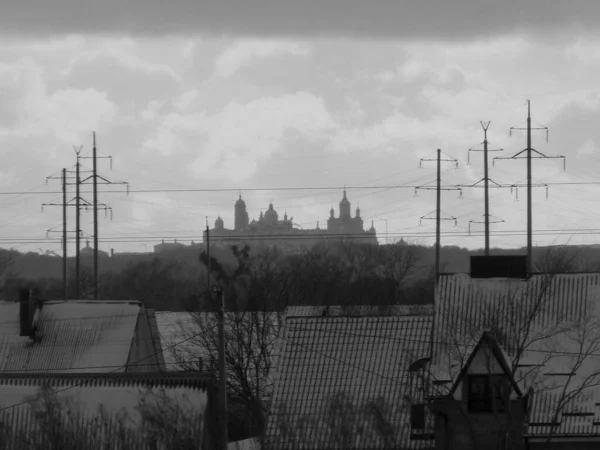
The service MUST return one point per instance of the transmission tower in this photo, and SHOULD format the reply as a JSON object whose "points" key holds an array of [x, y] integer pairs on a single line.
{"points": [[528, 151], [94, 177], [438, 211], [486, 186]]}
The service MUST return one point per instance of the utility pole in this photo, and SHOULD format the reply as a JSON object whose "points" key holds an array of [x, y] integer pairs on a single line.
{"points": [[219, 296], [94, 177], [77, 205], [438, 209], [529, 155], [64, 231], [77, 224], [486, 184]]}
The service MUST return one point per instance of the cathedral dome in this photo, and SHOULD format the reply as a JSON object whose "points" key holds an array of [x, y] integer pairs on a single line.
{"points": [[271, 215], [219, 225], [240, 202], [345, 201]]}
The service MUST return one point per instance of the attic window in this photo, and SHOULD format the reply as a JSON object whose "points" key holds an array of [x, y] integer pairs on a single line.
{"points": [[417, 417], [486, 393]]}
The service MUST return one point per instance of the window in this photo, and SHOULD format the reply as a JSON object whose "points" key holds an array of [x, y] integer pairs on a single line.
{"points": [[417, 417], [487, 393]]}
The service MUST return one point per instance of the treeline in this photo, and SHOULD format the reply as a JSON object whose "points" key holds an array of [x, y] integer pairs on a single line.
{"points": [[345, 273], [334, 273]]}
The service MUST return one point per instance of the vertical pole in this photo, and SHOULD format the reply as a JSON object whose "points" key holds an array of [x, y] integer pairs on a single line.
{"points": [[209, 293], [529, 203], [77, 228], [438, 214], [64, 231], [222, 376], [486, 190], [95, 220]]}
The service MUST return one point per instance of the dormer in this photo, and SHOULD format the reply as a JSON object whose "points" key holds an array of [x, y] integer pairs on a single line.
{"points": [[485, 383]]}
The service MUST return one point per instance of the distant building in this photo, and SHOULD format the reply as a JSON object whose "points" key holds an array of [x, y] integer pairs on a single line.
{"points": [[89, 251], [170, 247], [270, 230]]}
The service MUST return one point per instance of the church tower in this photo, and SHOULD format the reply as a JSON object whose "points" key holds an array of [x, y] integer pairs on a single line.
{"points": [[345, 207], [241, 215]]}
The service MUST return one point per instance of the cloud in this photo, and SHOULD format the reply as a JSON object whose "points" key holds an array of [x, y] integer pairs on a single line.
{"points": [[242, 53], [424, 19], [120, 51], [241, 136]]}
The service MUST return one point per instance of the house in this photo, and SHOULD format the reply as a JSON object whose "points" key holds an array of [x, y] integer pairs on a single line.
{"points": [[541, 335], [485, 407], [350, 377], [78, 336], [108, 410]]}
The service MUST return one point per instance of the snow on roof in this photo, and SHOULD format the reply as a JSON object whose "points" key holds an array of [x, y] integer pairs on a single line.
{"points": [[75, 336]]}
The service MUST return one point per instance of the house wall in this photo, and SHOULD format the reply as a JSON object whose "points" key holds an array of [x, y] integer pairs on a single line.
{"points": [[477, 431], [142, 356]]}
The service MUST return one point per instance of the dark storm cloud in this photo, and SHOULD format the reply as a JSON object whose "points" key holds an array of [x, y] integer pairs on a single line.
{"points": [[413, 19]]}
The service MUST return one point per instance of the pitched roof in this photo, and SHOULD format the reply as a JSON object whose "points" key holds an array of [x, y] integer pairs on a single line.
{"points": [[580, 417], [76, 336], [467, 307], [556, 316], [180, 327], [156, 342], [115, 393], [491, 343], [348, 365]]}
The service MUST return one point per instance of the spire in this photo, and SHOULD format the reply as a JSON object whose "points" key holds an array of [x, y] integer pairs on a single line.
{"points": [[344, 207]]}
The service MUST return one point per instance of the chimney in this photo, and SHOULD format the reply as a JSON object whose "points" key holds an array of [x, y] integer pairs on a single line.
{"points": [[499, 266], [112, 252], [26, 311]]}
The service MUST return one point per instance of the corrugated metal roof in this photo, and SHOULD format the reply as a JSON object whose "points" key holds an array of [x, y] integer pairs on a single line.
{"points": [[75, 336], [357, 362], [548, 317], [175, 327], [114, 393]]}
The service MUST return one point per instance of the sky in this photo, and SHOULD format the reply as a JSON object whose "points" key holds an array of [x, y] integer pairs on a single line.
{"points": [[287, 103]]}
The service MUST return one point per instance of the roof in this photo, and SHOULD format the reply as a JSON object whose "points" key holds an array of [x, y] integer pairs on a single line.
{"points": [[491, 343], [550, 318], [180, 348], [76, 336], [115, 393], [342, 364], [580, 417]]}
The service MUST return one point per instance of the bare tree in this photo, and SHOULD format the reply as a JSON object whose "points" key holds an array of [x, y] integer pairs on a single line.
{"points": [[540, 338]]}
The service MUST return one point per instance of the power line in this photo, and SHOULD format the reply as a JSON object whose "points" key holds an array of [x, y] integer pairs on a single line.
{"points": [[249, 237], [280, 188]]}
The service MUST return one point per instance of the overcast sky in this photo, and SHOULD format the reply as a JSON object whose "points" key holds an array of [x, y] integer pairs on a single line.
{"points": [[266, 95]]}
